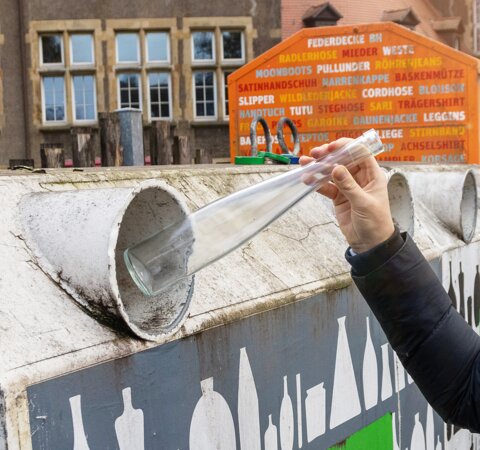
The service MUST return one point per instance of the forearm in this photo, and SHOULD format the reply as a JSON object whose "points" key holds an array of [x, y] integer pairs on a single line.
{"points": [[435, 344]]}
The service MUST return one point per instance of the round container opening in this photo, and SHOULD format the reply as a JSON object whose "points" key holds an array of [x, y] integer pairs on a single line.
{"points": [[468, 207], [401, 203], [151, 210]]}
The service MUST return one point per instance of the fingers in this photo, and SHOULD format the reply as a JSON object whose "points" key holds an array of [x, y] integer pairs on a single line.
{"points": [[347, 185], [329, 190]]}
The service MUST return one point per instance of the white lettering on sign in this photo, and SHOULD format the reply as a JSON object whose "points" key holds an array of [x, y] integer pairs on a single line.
{"points": [[336, 40], [284, 72], [394, 133], [301, 110], [394, 91], [344, 67], [389, 50], [444, 115], [256, 100]]}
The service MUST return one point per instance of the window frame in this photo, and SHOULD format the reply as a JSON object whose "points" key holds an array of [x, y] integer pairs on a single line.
{"points": [[215, 99], [139, 53], [74, 110], [203, 62], [158, 62], [44, 110], [476, 27], [224, 89], [62, 45], [170, 105], [139, 77], [232, 61], [92, 43]]}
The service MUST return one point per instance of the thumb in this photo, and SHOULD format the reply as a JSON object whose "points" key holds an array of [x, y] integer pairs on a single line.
{"points": [[347, 185]]}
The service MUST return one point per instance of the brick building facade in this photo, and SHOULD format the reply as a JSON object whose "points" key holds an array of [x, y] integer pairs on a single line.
{"points": [[64, 62], [454, 23]]}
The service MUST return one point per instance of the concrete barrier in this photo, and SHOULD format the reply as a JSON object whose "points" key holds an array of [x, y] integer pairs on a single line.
{"points": [[277, 345]]}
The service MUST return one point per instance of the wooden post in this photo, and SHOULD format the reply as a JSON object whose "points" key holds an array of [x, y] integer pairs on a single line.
{"points": [[182, 153], [83, 148], [202, 156], [52, 156], [111, 148], [161, 143]]}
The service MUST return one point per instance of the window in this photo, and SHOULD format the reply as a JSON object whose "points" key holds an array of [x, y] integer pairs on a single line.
{"points": [[225, 94], [159, 95], [203, 48], [81, 46], [53, 93], [232, 46], [208, 102], [158, 47], [51, 49], [128, 49], [129, 90], [84, 98], [204, 93]]}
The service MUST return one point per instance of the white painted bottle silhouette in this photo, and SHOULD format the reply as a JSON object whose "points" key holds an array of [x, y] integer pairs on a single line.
{"points": [[286, 419], [212, 423], [299, 411], [399, 374], [430, 430], [271, 437], [248, 412], [418, 435], [394, 430], [370, 372], [79, 437], [345, 400], [129, 426], [315, 412], [439, 444], [386, 375]]}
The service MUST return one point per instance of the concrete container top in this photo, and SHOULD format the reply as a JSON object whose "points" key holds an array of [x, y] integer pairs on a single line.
{"points": [[44, 332]]}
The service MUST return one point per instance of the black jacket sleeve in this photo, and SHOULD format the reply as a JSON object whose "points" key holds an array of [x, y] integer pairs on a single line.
{"points": [[436, 346]]}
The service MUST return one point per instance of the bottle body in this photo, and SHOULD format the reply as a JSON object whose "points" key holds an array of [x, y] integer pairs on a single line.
{"points": [[222, 226]]}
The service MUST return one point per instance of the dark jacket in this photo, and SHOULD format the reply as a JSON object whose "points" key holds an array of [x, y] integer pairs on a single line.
{"points": [[436, 346]]}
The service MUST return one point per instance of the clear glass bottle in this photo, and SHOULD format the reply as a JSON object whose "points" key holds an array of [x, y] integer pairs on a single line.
{"points": [[220, 227]]}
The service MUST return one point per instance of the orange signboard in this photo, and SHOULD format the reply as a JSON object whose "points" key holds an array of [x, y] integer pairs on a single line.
{"points": [[331, 82]]}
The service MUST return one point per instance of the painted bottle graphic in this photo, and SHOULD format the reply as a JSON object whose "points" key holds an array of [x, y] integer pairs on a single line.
{"points": [[370, 372], [451, 290], [315, 414], [394, 431], [129, 426], [439, 444], [212, 423], [399, 373], [386, 391], [79, 437], [345, 400], [286, 419], [248, 411], [476, 299], [299, 410], [418, 435], [461, 286], [430, 430], [271, 436]]}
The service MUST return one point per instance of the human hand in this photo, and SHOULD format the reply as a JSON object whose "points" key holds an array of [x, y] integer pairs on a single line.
{"points": [[360, 198]]}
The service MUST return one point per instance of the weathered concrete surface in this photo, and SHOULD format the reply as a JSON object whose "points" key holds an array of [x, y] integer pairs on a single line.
{"points": [[45, 333]]}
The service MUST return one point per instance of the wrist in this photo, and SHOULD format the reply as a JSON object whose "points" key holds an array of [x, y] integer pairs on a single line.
{"points": [[374, 239]]}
